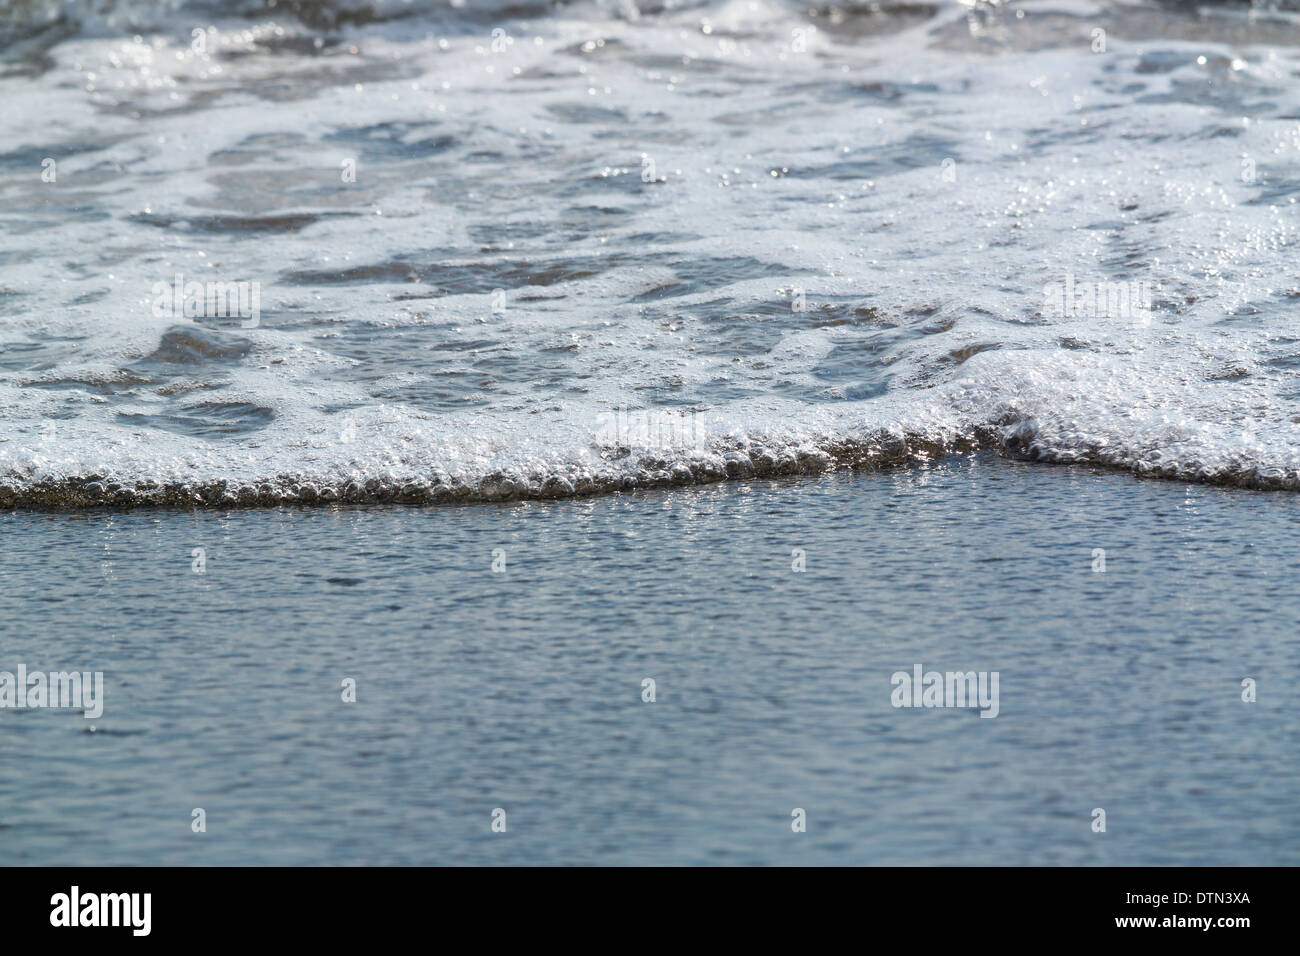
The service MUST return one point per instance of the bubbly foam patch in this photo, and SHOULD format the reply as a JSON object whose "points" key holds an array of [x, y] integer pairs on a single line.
{"points": [[585, 255]]}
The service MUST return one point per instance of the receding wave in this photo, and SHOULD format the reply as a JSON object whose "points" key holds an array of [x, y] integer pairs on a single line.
{"points": [[345, 252]]}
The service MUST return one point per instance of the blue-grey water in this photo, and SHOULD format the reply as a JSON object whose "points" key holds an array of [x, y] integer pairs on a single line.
{"points": [[650, 304], [522, 689]]}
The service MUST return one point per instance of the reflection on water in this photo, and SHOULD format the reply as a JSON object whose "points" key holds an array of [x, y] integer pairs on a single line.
{"points": [[522, 689]]}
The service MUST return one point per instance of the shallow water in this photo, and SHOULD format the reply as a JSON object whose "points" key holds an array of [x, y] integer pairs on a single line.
{"points": [[521, 690], [594, 250], [639, 249]]}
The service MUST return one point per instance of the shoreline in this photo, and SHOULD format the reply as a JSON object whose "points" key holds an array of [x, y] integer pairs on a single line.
{"points": [[92, 492], [499, 656]]}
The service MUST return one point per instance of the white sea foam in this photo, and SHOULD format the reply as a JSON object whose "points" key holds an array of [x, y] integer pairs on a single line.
{"points": [[820, 240]]}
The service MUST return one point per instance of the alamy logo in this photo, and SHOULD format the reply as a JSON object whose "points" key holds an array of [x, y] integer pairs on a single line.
{"points": [[102, 909], [1097, 300], [654, 428], [208, 300], [80, 690], [951, 689]]}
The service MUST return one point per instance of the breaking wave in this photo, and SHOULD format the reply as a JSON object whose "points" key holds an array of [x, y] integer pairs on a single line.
{"points": [[431, 251]]}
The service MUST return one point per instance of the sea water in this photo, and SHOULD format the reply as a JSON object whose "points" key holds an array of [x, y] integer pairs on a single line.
{"points": [[499, 358]]}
